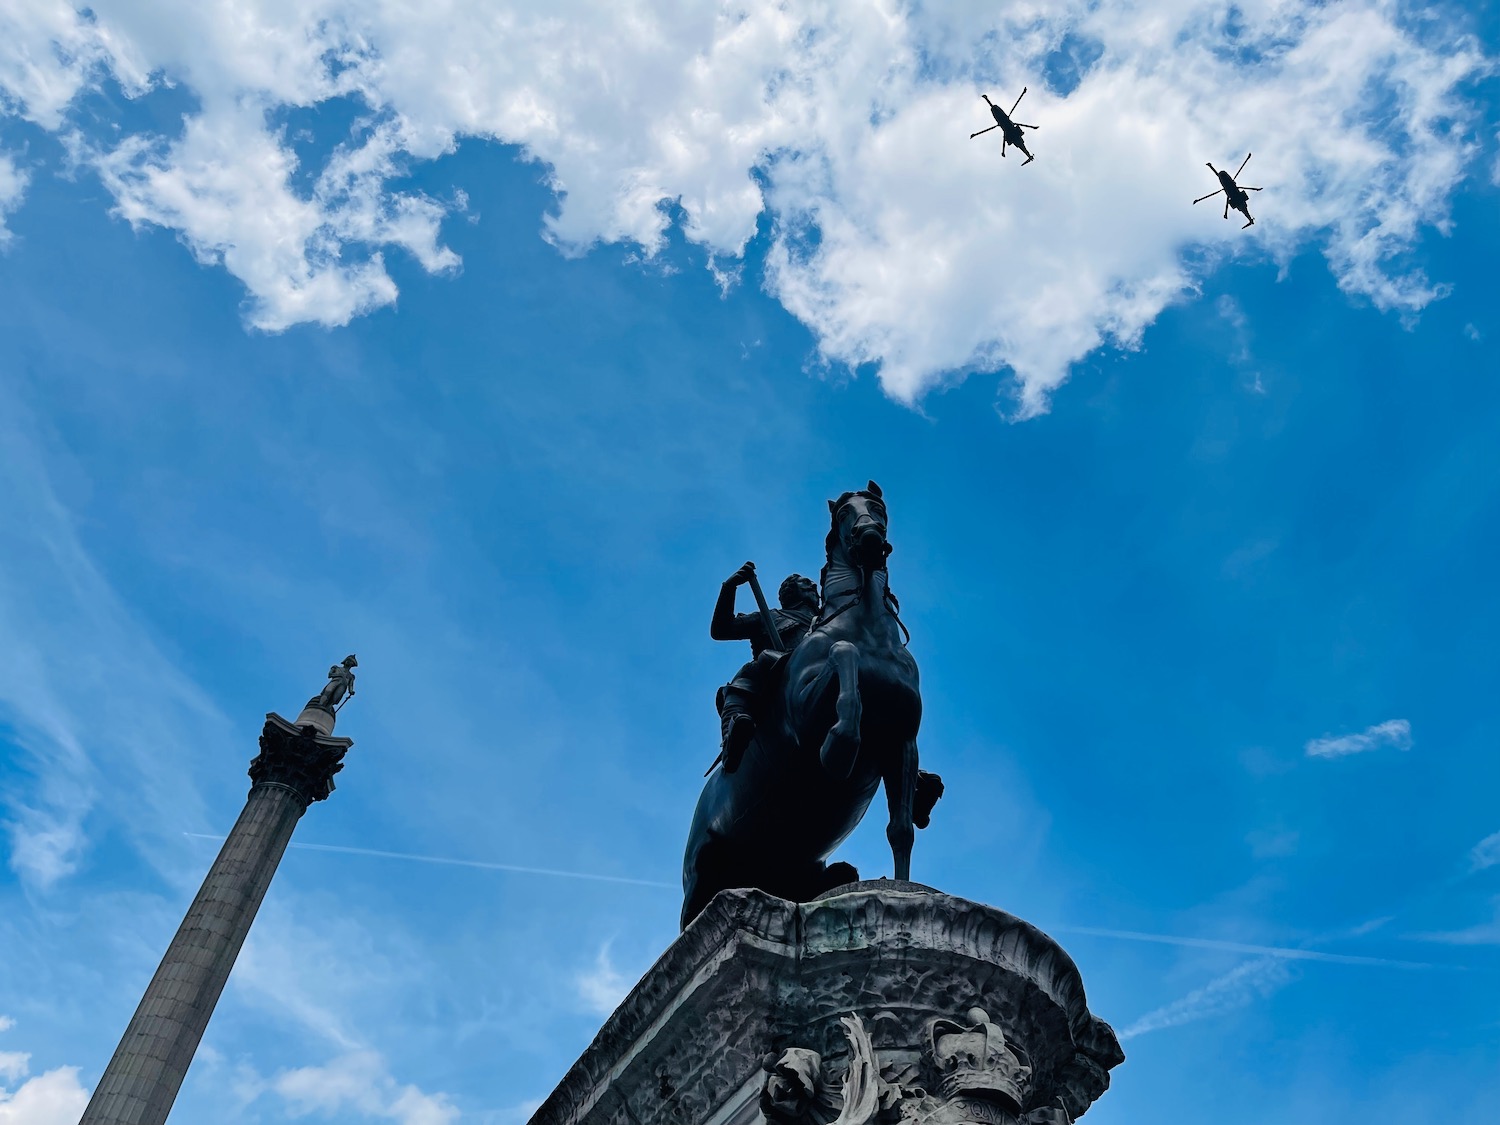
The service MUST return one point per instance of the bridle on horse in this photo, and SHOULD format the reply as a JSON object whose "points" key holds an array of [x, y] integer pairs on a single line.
{"points": [[855, 597]]}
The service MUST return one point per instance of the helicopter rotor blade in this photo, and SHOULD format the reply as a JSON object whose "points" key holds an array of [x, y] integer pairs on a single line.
{"points": [[1241, 168], [1242, 187], [1018, 99], [1226, 208], [1019, 125], [1210, 195], [973, 135]]}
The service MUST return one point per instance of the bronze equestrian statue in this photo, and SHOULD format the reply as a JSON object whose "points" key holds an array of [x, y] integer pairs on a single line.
{"points": [[831, 720]]}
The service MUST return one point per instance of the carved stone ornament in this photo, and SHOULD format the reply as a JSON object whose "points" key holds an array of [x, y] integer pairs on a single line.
{"points": [[882, 1003], [298, 759], [979, 1079]]}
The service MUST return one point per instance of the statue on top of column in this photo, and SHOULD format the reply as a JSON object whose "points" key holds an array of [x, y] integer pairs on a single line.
{"points": [[339, 686]]}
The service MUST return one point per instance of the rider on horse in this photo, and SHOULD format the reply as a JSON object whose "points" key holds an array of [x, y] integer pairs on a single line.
{"points": [[835, 716], [739, 700]]}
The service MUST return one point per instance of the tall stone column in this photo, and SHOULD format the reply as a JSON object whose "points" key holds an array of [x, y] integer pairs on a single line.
{"points": [[295, 767]]}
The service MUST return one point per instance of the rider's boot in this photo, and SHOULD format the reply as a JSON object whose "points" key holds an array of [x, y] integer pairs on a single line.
{"points": [[737, 713], [737, 728]]}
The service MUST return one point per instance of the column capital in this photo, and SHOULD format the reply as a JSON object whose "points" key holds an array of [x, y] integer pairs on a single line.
{"points": [[298, 758]]}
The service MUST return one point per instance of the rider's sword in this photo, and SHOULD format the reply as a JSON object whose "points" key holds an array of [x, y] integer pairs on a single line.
{"points": [[767, 618], [768, 623]]}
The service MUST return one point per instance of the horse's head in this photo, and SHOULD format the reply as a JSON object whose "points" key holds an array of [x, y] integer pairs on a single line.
{"points": [[859, 523]]}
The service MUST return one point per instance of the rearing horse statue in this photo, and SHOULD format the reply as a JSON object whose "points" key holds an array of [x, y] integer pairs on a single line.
{"points": [[842, 719]]}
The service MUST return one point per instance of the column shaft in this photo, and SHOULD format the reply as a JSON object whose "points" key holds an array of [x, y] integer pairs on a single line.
{"points": [[148, 1067]]}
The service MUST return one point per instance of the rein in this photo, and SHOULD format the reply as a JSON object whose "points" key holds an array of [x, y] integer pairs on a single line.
{"points": [[855, 597]]}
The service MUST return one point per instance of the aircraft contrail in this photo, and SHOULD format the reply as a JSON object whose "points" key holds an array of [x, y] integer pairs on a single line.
{"points": [[1286, 952], [481, 864], [1289, 953]]}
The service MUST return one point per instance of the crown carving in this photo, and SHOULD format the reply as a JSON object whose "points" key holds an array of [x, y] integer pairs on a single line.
{"points": [[973, 1060]]}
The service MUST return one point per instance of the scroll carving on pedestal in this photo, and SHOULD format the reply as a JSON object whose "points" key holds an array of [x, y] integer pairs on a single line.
{"points": [[969, 1074]]}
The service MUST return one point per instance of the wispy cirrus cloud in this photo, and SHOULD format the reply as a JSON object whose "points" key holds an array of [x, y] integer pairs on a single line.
{"points": [[1483, 933], [1393, 732], [360, 1081], [602, 986], [1485, 854], [1240, 987], [845, 135], [1280, 952], [87, 695], [13, 180]]}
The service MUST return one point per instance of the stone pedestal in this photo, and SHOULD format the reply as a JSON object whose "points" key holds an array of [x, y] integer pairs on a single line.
{"points": [[880, 1003], [294, 768]]}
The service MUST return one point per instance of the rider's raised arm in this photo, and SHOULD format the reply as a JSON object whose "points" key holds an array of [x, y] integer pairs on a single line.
{"points": [[730, 626], [726, 624]]}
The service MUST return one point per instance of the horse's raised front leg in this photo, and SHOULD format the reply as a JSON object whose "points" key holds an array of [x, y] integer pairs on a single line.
{"points": [[900, 794], [841, 747]]}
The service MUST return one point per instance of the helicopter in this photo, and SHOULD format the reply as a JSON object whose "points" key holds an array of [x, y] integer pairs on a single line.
{"points": [[1234, 194], [1010, 131]]}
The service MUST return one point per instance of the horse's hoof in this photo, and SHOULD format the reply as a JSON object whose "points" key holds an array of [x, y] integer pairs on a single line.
{"points": [[929, 789], [839, 753]]}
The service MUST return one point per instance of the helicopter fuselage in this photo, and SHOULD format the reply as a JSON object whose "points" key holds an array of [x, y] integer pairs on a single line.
{"points": [[1237, 198], [1008, 128]]}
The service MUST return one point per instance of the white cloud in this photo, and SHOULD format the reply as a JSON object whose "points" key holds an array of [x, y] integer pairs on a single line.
{"points": [[13, 179], [1485, 854], [1393, 732], [896, 239], [360, 1081], [53, 1098], [602, 986], [1238, 988], [50, 51], [226, 187]]}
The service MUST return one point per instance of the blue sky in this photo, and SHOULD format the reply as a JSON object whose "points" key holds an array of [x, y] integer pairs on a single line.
{"points": [[1178, 510]]}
